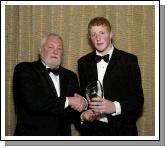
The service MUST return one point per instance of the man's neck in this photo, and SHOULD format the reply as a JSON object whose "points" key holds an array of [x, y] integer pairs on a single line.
{"points": [[47, 66], [107, 51]]}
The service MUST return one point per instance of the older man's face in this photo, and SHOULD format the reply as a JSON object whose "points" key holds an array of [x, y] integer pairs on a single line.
{"points": [[52, 51]]}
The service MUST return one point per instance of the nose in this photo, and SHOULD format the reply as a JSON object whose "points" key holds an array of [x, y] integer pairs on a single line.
{"points": [[98, 37], [55, 51]]}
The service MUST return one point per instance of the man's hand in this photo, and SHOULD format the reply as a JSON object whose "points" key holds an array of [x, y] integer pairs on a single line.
{"points": [[77, 102], [101, 106], [88, 115]]}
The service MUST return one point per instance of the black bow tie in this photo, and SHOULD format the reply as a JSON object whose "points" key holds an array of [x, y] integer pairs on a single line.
{"points": [[105, 58], [54, 71]]}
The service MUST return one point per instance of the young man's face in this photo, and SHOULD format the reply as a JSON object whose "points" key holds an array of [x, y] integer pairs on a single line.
{"points": [[52, 52], [101, 38]]}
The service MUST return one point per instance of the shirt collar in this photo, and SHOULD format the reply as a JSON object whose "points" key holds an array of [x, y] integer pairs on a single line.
{"points": [[109, 52], [45, 64]]}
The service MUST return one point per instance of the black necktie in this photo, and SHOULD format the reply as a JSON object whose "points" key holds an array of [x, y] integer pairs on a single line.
{"points": [[105, 58], [55, 71]]}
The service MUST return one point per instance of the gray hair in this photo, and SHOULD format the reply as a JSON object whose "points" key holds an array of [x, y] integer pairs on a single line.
{"points": [[43, 40]]}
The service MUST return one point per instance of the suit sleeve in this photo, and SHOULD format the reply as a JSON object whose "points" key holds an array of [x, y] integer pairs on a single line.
{"points": [[135, 98], [73, 114], [82, 75], [31, 95]]}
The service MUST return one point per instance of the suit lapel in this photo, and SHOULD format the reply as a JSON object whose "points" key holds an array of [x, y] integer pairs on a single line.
{"points": [[63, 82], [93, 67], [44, 72], [112, 63], [110, 67]]}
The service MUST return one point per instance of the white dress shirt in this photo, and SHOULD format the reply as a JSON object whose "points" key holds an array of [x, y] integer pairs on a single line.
{"points": [[56, 82], [101, 69]]}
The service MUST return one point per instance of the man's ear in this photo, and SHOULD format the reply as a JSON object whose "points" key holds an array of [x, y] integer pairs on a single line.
{"points": [[111, 35], [40, 52]]}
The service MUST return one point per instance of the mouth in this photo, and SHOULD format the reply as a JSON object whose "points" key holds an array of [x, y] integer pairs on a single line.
{"points": [[99, 44], [54, 57]]}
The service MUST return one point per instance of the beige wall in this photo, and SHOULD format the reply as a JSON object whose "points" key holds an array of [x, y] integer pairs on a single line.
{"points": [[133, 28]]}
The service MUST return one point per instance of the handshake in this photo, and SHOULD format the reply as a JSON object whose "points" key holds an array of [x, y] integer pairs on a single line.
{"points": [[78, 102], [97, 107]]}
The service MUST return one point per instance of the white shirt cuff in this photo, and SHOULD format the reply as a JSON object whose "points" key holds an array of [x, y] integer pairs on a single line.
{"points": [[66, 103], [118, 108], [86, 107]]}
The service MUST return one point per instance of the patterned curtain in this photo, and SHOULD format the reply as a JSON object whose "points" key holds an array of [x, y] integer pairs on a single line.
{"points": [[134, 32]]}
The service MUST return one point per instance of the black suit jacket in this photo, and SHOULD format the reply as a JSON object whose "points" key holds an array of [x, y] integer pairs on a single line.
{"points": [[39, 111], [122, 83]]}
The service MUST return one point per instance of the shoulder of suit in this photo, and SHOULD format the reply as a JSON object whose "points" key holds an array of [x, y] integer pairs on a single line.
{"points": [[29, 66], [125, 54], [24, 64], [87, 57], [67, 71], [119, 52]]}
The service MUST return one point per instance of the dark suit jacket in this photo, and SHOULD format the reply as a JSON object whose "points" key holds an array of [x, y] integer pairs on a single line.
{"points": [[122, 83], [39, 111]]}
